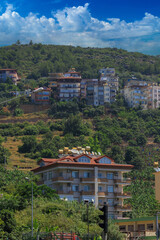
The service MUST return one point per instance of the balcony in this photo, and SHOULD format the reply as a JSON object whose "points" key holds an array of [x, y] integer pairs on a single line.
{"points": [[62, 179], [102, 180], [40, 182], [125, 181], [87, 179], [123, 208], [91, 192], [122, 195], [64, 192], [102, 194]]}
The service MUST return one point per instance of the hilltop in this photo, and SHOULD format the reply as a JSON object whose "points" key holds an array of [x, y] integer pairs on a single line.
{"points": [[35, 61]]}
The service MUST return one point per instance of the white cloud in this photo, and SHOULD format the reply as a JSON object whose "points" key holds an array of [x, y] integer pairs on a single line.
{"points": [[76, 26]]}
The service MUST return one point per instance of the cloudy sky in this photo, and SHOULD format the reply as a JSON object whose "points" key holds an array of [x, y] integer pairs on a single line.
{"points": [[127, 24]]}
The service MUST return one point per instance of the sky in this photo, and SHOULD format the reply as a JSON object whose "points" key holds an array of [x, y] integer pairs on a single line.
{"points": [[127, 24]]}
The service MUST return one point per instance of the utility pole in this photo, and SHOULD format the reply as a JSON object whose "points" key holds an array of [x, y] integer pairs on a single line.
{"points": [[104, 217], [32, 209], [31, 205], [157, 226]]}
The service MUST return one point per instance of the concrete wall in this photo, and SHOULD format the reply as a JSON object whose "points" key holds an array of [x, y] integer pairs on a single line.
{"points": [[31, 108]]}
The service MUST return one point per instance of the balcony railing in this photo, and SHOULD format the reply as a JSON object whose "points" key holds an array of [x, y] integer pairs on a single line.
{"points": [[122, 180], [56, 179], [121, 208], [91, 179], [64, 192], [102, 194], [40, 182], [91, 192], [102, 180], [120, 194]]}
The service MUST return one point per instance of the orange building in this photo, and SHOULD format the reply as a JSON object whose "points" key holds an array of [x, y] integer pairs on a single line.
{"points": [[9, 73], [41, 95], [80, 175]]}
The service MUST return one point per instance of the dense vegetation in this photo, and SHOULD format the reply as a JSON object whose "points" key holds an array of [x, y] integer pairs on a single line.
{"points": [[127, 135], [50, 213], [36, 60]]}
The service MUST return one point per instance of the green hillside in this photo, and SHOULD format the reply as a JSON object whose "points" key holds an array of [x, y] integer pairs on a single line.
{"points": [[37, 60], [127, 135]]}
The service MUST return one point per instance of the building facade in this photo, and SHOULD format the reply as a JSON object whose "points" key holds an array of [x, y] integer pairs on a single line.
{"points": [[41, 95], [102, 90], [138, 228], [9, 73], [67, 85], [141, 93], [87, 177]]}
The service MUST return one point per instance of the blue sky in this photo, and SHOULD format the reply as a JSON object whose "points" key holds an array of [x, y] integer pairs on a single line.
{"points": [[131, 25]]}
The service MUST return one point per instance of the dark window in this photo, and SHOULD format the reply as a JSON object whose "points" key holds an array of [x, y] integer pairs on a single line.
{"points": [[150, 227], [122, 228], [141, 227], [130, 228]]}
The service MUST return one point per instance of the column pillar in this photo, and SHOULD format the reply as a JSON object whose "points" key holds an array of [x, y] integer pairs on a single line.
{"points": [[96, 185]]}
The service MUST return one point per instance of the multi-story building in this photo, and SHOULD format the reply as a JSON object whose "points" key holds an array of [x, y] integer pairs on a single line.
{"points": [[108, 72], [138, 228], [108, 77], [98, 93], [41, 95], [9, 73], [141, 93], [67, 84], [79, 175]]}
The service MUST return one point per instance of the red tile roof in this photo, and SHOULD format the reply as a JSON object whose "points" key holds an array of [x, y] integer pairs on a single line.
{"points": [[72, 160]]}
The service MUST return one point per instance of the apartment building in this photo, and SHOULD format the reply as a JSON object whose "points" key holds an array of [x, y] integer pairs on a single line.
{"points": [[141, 93], [9, 73], [41, 95], [68, 85], [99, 93], [108, 76], [138, 228], [80, 175]]}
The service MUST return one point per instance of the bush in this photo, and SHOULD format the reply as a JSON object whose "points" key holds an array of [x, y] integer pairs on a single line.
{"points": [[18, 112], [29, 144], [30, 130]]}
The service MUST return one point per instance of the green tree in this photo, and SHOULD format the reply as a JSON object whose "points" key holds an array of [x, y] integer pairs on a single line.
{"points": [[29, 144]]}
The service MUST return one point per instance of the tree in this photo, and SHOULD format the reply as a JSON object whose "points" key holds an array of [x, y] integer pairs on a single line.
{"points": [[141, 140], [18, 42], [31, 43], [29, 144], [75, 126]]}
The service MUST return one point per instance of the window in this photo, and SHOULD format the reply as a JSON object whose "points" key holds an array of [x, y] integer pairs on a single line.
{"points": [[75, 174], [86, 188], [141, 227], [105, 160], [110, 189], [99, 175], [111, 215], [75, 188], [44, 176], [84, 159], [49, 175], [122, 228], [150, 227], [111, 202], [109, 175], [60, 174], [100, 188], [130, 228], [86, 174]]}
